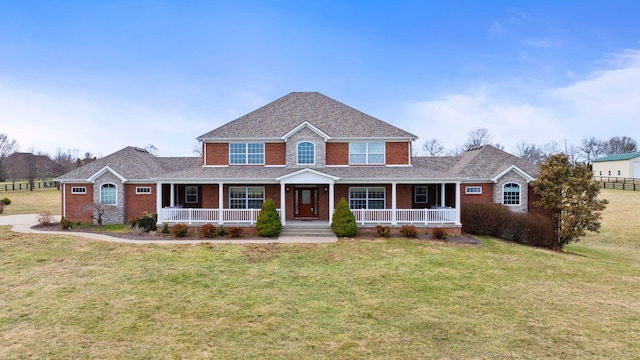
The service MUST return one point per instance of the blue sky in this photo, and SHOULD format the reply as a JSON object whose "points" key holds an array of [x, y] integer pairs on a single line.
{"points": [[100, 75]]}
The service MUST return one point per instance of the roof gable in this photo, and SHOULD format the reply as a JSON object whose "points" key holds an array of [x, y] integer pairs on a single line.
{"points": [[278, 118], [308, 126], [488, 162]]}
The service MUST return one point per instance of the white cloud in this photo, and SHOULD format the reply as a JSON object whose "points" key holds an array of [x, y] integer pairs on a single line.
{"points": [[47, 120], [603, 105]]}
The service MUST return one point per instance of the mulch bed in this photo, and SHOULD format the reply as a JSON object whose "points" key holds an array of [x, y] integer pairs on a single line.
{"points": [[464, 239]]}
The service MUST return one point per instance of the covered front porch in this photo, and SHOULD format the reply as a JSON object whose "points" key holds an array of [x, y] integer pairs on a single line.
{"points": [[310, 195]]}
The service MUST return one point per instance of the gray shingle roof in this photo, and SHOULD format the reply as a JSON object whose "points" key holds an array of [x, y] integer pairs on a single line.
{"points": [[330, 116], [486, 161], [133, 164]]}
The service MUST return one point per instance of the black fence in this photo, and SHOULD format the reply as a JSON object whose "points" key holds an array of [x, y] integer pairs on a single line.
{"points": [[22, 186], [618, 183]]}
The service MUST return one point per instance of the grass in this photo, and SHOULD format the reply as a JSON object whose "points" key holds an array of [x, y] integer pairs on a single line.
{"points": [[64, 297], [33, 202]]}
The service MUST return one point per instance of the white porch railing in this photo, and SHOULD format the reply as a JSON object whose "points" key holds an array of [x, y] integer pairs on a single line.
{"points": [[406, 216], [190, 216]]}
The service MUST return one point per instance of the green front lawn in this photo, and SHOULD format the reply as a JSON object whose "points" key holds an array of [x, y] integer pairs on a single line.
{"points": [[64, 297]]}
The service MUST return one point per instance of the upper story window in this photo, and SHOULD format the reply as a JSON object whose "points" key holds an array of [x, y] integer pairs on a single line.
{"points": [[366, 153], [246, 153], [511, 194], [108, 194], [306, 153]]}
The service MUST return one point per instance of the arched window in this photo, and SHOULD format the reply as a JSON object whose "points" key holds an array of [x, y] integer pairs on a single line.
{"points": [[511, 194], [306, 153], [108, 194]]}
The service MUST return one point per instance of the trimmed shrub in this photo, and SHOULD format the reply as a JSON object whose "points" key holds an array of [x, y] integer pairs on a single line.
{"points": [[147, 221], [235, 231], [383, 231], [6, 201], [180, 230], [439, 234], [498, 221], [222, 231], [268, 223], [165, 228], [66, 223], [409, 231], [208, 231], [343, 223]]}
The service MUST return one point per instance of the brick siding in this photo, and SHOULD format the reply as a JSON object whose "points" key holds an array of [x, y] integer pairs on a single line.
{"points": [[217, 153], [397, 153], [137, 204]]}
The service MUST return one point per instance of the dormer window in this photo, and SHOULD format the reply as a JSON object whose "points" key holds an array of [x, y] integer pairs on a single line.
{"points": [[246, 153], [361, 153], [306, 153]]}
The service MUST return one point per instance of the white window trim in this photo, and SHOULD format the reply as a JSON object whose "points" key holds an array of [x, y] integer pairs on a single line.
{"points": [[367, 189], [426, 194], [143, 190], [79, 190], [366, 152], [298, 153], [469, 190], [116, 190], [246, 197], [519, 194], [246, 153], [186, 195]]}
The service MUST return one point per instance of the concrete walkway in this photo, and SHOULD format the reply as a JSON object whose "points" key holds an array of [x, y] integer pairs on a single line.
{"points": [[23, 224]]}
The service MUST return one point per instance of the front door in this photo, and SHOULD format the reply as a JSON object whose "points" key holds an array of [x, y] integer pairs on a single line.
{"points": [[306, 202]]}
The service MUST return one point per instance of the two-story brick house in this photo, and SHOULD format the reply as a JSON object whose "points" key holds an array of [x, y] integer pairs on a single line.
{"points": [[305, 151]]}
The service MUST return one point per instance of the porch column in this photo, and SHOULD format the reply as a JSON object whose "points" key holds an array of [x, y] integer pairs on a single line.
{"points": [[220, 203], [458, 187], [283, 201], [331, 201], [172, 195], [394, 220], [442, 195], [159, 201]]}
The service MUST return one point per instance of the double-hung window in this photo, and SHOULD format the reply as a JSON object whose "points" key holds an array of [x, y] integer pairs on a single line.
{"points": [[246, 197], [366, 153], [191, 194], [246, 153], [511, 194], [420, 195], [367, 198]]}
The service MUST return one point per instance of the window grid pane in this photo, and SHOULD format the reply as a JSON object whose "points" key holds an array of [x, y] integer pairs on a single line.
{"points": [[511, 194], [306, 153], [246, 198], [420, 194], [366, 153], [367, 198], [108, 194]]}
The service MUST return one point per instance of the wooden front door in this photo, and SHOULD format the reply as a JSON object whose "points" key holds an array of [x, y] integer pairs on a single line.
{"points": [[306, 202]]}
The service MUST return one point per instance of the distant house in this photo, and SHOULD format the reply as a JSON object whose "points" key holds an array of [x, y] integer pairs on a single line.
{"points": [[305, 151], [619, 165], [24, 165]]}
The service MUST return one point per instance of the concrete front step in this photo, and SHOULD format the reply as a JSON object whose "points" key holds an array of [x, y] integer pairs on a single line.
{"points": [[306, 232]]}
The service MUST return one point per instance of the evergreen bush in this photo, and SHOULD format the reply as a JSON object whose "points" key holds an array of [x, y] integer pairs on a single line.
{"points": [[343, 223], [6, 201], [268, 223]]}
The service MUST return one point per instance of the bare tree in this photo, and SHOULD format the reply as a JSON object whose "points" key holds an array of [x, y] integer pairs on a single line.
{"points": [[198, 148], [592, 148], [620, 145], [477, 137], [549, 149], [7, 147], [65, 161], [433, 147], [573, 151], [529, 152], [152, 149]]}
